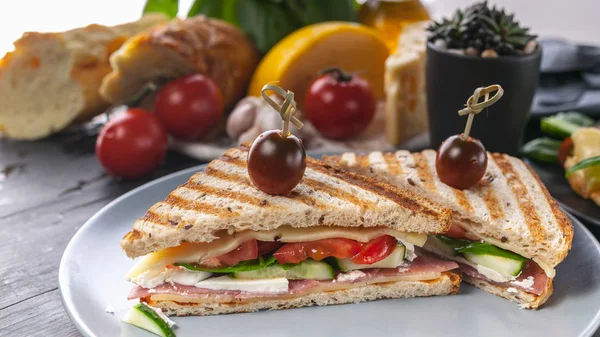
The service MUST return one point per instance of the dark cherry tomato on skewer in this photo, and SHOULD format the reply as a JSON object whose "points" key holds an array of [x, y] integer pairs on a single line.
{"points": [[461, 163], [276, 164]]}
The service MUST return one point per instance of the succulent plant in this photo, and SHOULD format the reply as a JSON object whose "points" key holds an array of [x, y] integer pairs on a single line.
{"points": [[483, 28]]}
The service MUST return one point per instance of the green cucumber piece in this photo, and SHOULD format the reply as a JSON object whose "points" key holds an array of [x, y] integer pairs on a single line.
{"points": [[142, 316], [503, 265], [274, 271], [562, 125], [544, 150], [306, 270], [392, 261], [484, 248], [311, 270], [436, 245], [242, 266]]}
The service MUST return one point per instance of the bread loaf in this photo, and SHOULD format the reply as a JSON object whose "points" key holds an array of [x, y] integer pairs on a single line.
{"points": [[51, 80], [196, 45]]}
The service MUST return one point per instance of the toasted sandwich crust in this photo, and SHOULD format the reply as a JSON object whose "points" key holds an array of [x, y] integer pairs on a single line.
{"points": [[447, 284], [504, 206], [524, 299], [222, 197]]}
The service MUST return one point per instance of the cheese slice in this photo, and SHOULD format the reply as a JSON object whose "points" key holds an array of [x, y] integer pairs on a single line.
{"points": [[155, 263], [586, 144]]}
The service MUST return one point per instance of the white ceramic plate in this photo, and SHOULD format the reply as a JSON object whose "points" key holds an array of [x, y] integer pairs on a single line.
{"points": [[92, 270]]}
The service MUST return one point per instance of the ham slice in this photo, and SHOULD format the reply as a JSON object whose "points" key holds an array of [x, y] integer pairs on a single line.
{"points": [[422, 265], [531, 272]]}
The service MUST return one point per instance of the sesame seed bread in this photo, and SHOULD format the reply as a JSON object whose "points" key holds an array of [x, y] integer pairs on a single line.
{"points": [[51, 80], [510, 207], [447, 284], [222, 197]]}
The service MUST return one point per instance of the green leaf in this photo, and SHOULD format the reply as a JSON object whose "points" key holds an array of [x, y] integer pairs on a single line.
{"points": [[218, 9], [168, 7], [453, 243], [493, 25], [242, 266], [544, 150], [309, 12], [265, 22], [594, 161]]}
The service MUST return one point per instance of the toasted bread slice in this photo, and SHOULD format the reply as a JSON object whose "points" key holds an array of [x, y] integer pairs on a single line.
{"points": [[447, 284], [526, 300], [510, 207], [222, 197]]}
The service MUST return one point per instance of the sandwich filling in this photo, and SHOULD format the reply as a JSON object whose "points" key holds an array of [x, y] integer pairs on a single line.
{"points": [[281, 263], [483, 260]]}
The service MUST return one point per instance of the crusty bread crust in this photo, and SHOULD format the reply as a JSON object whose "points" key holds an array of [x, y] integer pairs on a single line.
{"points": [[51, 80], [447, 284], [195, 45], [526, 300], [222, 197], [510, 204]]}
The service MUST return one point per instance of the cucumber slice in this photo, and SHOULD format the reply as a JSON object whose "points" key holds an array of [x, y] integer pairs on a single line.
{"points": [[311, 270], [454, 243], [274, 271], [484, 248], [503, 265], [392, 261], [142, 316], [306, 270]]}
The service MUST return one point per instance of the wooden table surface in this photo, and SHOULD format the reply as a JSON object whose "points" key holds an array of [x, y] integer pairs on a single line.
{"points": [[48, 190]]}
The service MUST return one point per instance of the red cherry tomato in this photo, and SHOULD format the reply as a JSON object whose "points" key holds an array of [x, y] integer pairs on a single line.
{"points": [[266, 247], [376, 250], [317, 250], [340, 105], [565, 149], [190, 107], [246, 251], [132, 144]]}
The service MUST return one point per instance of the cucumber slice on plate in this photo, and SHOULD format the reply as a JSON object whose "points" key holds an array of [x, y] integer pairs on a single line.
{"points": [[142, 316], [503, 265], [392, 261], [306, 270]]}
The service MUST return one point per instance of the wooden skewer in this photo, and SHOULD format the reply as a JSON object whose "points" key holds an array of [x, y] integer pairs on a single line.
{"points": [[473, 106], [286, 110]]}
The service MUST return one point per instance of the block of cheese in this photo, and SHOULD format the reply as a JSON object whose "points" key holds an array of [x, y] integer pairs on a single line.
{"points": [[406, 107]]}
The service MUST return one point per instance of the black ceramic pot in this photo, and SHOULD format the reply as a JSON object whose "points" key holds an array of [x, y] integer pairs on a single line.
{"points": [[452, 78]]}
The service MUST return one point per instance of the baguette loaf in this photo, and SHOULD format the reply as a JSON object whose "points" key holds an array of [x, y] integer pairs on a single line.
{"points": [[196, 45], [51, 80]]}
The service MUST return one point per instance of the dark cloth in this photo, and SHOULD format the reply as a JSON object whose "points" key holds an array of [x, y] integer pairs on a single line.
{"points": [[569, 80]]}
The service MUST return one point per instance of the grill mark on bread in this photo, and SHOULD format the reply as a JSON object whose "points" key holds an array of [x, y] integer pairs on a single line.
{"points": [[406, 199], [463, 200], [235, 161], [200, 207], [335, 192], [393, 163], [492, 203], [532, 219], [362, 161], [305, 199], [422, 167], [221, 193], [235, 178]]}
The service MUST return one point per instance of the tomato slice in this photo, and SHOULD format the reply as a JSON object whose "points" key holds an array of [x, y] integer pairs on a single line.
{"points": [[246, 251], [317, 250], [266, 247], [376, 250]]}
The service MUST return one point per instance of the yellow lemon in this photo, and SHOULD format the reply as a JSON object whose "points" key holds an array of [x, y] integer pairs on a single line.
{"points": [[296, 60]]}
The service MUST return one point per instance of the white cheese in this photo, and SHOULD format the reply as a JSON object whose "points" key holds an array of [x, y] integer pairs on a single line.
{"points": [[350, 276], [494, 275], [109, 309], [186, 277], [410, 251], [511, 290], [526, 283], [149, 279], [273, 285]]}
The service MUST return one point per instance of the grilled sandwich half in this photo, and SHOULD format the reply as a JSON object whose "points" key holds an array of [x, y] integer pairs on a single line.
{"points": [[219, 245], [507, 232]]}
